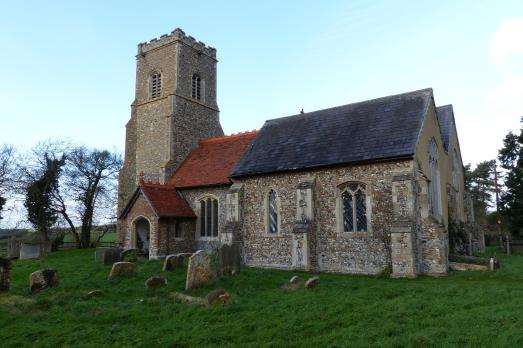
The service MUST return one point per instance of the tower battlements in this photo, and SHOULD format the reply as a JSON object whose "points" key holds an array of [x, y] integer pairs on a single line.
{"points": [[177, 35]]}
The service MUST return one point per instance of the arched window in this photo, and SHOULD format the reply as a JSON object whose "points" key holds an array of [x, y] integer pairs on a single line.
{"points": [[196, 91], [209, 217], [272, 212], [155, 84], [456, 180], [434, 177], [353, 206]]}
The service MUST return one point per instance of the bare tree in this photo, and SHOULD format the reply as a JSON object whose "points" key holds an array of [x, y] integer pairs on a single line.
{"points": [[91, 176], [7, 169]]}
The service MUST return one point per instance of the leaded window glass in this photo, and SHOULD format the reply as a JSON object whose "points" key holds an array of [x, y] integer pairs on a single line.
{"points": [[209, 217], [434, 179], [196, 90], [156, 85], [354, 208], [273, 212]]}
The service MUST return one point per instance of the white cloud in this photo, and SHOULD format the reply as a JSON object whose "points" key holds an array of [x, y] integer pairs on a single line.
{"points": [[507, 97], [507, 41]]}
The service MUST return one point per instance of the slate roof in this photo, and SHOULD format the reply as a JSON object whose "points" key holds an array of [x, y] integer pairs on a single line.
{"points": [[164, 199], [446, 122], [373, 130], [211, 163]]}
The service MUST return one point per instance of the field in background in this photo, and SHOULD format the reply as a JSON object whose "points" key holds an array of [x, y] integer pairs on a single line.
{"points": [[464, 309]]}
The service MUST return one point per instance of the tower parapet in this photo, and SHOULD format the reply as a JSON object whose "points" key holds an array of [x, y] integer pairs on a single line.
{"points": [[177, 35]]}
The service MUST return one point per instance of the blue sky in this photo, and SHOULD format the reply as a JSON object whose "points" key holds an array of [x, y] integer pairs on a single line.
{"points": [[67, 68]]}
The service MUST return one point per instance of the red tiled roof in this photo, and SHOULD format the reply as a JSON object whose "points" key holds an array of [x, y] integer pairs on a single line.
{"points": [[165, 201], [212, 162]]}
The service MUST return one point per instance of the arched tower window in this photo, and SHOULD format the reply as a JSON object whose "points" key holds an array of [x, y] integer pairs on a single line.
{"points": [[272, 212], [434, 177], [209, 217], [196, 91], [353, 206], [155, 84]]}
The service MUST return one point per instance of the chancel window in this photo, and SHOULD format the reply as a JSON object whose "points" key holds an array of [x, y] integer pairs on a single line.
{"points": [[196, 91], [156, 85], [354, 207], [209, 217], [272, 212], [434, 180]]}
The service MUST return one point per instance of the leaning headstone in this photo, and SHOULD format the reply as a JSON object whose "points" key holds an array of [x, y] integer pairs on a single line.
{"points": [[30, 251], [312, 282], [129, 255], [226, 259], [99, 254], [172, 262], [111, 256], [155, 283], [236, 258], [5, 274], [43, 279], [122, 269], [199, 271]]}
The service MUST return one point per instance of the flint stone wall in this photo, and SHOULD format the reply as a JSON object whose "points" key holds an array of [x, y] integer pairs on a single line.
{"points": [[360, 252]]}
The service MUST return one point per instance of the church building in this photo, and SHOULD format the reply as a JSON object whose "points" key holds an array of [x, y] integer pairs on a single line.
{"points": [[357, 188]]}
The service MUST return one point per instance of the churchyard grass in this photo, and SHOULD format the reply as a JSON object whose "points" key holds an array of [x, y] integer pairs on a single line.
{"points": [[464, 309]]}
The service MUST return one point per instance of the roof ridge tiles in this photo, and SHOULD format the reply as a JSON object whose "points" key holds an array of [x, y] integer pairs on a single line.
{"points": [[229, 137]]}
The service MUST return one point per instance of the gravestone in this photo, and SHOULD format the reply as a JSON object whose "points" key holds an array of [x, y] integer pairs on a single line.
{"points": [[122, 269], [111, 256], [30, 251], [226, 259], [13, 248], [200, 270], [236, 258], [129, 255], [312, 282], [173, 261], [99, 254], [43, 279], [5, 274], [154, 283]]}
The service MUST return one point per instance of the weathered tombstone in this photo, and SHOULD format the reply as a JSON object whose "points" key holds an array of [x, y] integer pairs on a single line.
{"points": [[172, 262], [226, 259], [93, 294], [129, 255], [5, 274], [220, 296], [186, 299], [30, 251], [155, 283], [312, 282], [43, 279], [236, 258], [199, 271], [13, 248], [122, 269], [294, 279], [111, 256], [99, 254]]}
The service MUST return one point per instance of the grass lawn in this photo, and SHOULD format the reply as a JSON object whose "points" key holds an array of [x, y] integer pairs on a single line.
{"points": [[108, 237], [464, 309]]}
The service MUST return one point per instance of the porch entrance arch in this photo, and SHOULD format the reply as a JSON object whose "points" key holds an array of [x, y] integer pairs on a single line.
{"points": [[143, 235]]}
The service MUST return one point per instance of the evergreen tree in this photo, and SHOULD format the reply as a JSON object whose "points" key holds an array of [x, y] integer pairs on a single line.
{"points": [[480, 183], [39, 200], [511, 158]]}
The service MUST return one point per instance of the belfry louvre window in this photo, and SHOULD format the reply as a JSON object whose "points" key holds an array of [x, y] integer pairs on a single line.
{"points": [[156, 85], [354, 208], [196, 87], [209, 217], [272, 212]]}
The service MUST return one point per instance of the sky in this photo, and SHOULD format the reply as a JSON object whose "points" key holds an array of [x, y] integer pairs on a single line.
{"points": [[67, 68]]}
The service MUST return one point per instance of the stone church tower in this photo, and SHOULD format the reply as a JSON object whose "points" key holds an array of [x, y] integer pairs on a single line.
{"points": [[174, 107]]}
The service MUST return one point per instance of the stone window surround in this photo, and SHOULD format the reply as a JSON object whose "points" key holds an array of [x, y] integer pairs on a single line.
{"points": [[199, 220], [340, 187], [202, 88], [434, 180], [266, 213], [149, 84]]}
